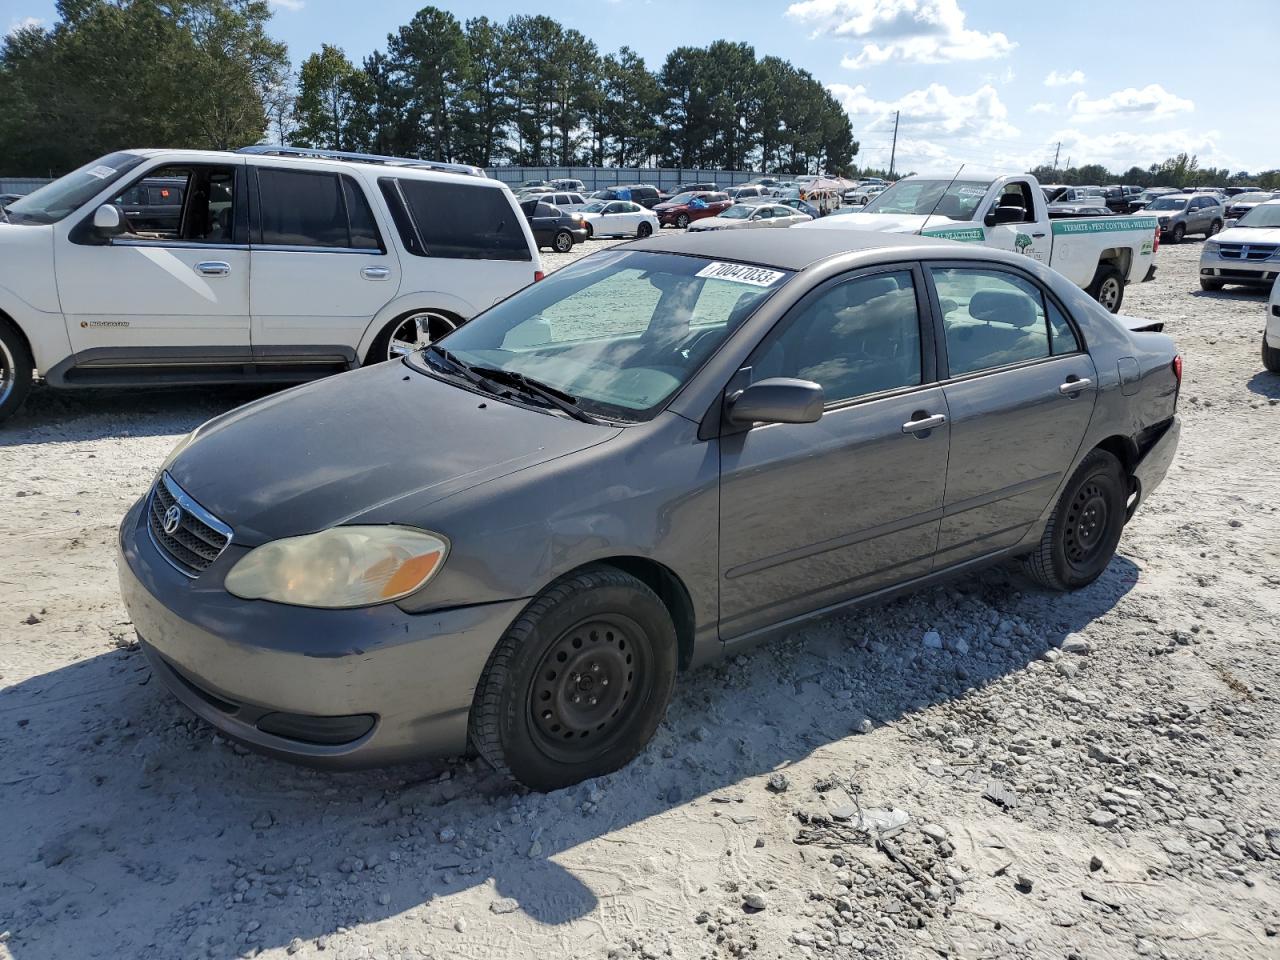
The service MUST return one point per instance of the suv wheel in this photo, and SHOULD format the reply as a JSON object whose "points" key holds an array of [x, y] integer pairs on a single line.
{"points": [[562, 242], [1179, 233], [1084, 530], [579, 683], [1213, 228], [682, 221], [16, 368], [1108, 287], [410, 334]]}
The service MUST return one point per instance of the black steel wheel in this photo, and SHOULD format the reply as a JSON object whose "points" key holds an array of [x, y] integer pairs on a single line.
{"points": [[579, 683], [1084, 530]]}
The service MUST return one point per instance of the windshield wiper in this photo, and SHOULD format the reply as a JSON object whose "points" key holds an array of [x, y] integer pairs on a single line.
{"points": [[460, 368], [558, 398]]}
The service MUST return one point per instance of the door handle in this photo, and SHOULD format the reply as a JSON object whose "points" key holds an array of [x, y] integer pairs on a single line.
{"points": [[214, 268], [924, 423], [1038, 235], [375, 273], [1074, 385]]}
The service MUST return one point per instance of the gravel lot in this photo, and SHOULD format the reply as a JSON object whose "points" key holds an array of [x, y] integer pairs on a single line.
{"points": [[984, 770]]}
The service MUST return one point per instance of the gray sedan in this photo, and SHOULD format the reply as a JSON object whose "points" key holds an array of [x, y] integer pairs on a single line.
{"points": [[517, 539]]}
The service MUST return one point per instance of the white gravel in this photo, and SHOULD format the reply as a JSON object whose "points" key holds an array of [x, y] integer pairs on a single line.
{"points": [[985, 770]]}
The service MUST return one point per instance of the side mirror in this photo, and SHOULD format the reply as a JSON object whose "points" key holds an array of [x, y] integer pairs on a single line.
{"points": [[107, 221], [777, 400], [998, 215]]}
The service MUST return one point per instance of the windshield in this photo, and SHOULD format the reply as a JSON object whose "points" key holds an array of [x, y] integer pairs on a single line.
{"points": [[1263, 215], [594, 207], [619, 331], [739, 211], [67, 194], [1251, 198], [1166, 203], [925, 197]]}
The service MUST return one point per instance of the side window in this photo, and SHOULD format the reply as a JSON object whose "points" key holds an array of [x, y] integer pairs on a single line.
{"points": [[448, 219], [364, 229], [545, 210], [1062, 339], [765, 213], [302, 208], [991, 319], [856, 338], [194, 204]]}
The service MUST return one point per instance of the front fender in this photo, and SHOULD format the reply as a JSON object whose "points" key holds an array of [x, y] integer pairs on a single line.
{"points": [[408, 303], [46, 332]]}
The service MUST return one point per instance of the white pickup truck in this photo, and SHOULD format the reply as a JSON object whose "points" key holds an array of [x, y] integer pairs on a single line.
{"points": [[1100, 254]]}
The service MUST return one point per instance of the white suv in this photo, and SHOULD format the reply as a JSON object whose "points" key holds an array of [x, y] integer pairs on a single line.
{"points": [[269, 264]]}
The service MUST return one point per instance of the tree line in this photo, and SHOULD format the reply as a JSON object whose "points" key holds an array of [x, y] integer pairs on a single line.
{"points": [[111, 74], [1183, 170]]}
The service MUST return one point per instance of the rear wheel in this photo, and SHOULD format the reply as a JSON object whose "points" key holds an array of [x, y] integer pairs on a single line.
{"points": [[411, 333], [1082, 534], [1270, 356], [1213, 228], [579, 683], [562, 242], [16, 368], [1108, 287], [682, 221], [1179, 233], [644, 229]]}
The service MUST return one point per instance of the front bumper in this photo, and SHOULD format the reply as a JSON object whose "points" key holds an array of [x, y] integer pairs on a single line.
{"points": [[1257, 273], [1153, 466], [243, 665]]}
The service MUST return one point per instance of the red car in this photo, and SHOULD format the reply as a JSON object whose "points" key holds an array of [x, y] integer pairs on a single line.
{"points": [[676, 212]]}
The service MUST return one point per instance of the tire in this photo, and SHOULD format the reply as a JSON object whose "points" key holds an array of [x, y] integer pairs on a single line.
{"points": [[682, 221], [1107, 287], [1179, 233], [644, 230], [590, 232], [1211, 285], [562, 242], [598, 625], [1084, 530], [431, 324], [1270, 356], [16, 369], [1213, 228]]}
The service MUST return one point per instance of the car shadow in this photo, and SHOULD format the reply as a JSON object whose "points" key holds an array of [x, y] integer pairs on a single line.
{"points": [[1232, 293], [97, 413], [129, 823], [1265, 384]]}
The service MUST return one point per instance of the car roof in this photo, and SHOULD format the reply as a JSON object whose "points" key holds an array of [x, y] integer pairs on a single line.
{"points": [[802, 247]]}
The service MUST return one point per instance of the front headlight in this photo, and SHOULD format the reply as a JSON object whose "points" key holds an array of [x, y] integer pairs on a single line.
{"points": [[340, 567], [1210, 248]]}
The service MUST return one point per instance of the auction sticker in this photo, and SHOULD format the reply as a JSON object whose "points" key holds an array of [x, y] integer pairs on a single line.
{"points": [[102, 171], [740, 273]]}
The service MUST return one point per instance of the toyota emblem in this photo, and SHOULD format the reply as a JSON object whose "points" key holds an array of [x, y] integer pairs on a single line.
{"points": [[172, 518]]}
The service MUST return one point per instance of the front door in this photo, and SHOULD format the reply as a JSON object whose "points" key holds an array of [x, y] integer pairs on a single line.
{"points": [[171, 286], [1028, 236], [321, 267], [813, 514], [1020, 396]]}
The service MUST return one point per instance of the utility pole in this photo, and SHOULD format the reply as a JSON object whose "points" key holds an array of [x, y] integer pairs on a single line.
{"points": [[893, 151], [1056, 151]]}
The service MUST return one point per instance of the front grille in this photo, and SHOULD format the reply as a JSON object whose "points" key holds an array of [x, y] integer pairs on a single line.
{"points": [[198, 538], [1250, 252]]}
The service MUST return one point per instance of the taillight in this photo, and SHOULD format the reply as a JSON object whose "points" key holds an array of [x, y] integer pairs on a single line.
{"points": [[1156, 245], [1177, 369], [538, 275]]}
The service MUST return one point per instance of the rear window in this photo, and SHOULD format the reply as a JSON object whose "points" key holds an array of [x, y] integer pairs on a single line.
{"points": [[439, 219]]}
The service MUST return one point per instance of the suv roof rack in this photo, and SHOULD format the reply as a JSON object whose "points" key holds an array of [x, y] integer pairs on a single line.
{"points": [[267, 149]]}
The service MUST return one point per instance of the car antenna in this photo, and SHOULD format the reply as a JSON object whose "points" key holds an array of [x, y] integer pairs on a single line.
{"points": [[920, 231]]}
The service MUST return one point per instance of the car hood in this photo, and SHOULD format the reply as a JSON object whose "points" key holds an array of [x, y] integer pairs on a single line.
{"points": [[662, 207], [880, 222], [1249, 235], [331, 451]]}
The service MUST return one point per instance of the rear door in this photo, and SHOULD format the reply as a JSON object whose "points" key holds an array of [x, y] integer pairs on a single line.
{"points": [[813, 514], [321, 265], [1020, 391]]}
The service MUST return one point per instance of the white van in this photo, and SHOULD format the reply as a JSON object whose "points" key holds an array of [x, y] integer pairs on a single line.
{"points": [[279, 264]]}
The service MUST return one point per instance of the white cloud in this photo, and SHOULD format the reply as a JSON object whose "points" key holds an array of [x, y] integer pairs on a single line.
{"points": [[293, 6], [1151, 102], [1120, 150], [25, 23], [1056, 79], [910, 31], [1040, 107]]}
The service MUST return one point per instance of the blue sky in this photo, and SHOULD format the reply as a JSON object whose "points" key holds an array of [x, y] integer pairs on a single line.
{"points": [[989, 83]]}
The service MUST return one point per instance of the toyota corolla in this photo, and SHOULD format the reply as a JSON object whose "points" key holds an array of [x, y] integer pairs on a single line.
{"points": [[518, 538]]}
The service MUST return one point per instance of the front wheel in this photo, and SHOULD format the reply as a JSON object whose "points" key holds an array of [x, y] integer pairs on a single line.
{"points": [[682, 221], [1179, 233], [1108, 287], [410, 334], [1211, 285], [16, 368], [1270, 356], [579, 683], [644, 230], [562, 242], [1084, 530]]}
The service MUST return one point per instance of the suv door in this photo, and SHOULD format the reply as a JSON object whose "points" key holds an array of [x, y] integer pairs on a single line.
{"points": [[812, 514], [180, 293], [321, 269], [1020, 392]]}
